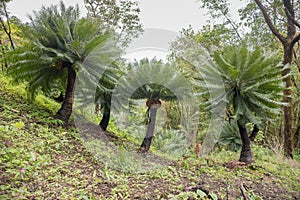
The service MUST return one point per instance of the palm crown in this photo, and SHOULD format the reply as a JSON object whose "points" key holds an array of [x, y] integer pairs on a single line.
{"points": [[154, 81], [252, 82], [57, 43]]}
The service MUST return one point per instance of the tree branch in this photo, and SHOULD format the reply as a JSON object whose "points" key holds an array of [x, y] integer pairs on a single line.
{"points": [[288, 14], [244, 192], [296, 39], [3, 25], [269, 22], [233, 25]]}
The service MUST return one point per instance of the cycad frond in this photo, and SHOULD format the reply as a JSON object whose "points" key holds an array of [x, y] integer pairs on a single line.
{"points": [[252, 82], [155, 80], [56, 38]]}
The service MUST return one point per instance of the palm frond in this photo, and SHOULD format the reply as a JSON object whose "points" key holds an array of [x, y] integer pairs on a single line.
{"points": [[252, 82], [57, 38]]}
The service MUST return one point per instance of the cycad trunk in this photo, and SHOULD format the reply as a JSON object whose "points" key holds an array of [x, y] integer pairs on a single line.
{"points": [[153, 106], [106, 112], [246, 152], [65, 111]]}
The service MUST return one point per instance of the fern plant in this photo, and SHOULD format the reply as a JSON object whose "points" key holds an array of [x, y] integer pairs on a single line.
{"points": [[57, 43], [230, 136], [252, 88]]}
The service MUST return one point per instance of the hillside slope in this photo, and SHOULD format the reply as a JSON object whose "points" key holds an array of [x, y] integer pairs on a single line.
{"points": [[41, 159]]}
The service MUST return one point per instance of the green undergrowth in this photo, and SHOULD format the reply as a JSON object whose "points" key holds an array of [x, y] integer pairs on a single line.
{"points": [[42, 159]]}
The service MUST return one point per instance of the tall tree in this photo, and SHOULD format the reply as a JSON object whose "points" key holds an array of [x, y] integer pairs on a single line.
{"points": [[290, 8], [122, 16], [57, 43], [5, 21]]}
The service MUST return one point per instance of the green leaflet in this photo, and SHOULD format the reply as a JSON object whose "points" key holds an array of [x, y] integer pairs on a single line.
{"points": [[229, 70]]}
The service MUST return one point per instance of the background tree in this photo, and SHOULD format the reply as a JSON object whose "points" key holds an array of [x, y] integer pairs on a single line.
{"points": [[288, 9], [57, 43], [122, 16], [5, 21], [13, 37], [9, 32]]}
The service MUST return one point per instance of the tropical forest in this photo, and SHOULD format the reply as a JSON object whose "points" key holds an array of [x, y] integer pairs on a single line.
{"points": [[217, 117]]}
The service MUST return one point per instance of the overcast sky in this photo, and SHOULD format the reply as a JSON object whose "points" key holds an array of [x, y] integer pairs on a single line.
{"points": [[168, 14], [164, 17]]}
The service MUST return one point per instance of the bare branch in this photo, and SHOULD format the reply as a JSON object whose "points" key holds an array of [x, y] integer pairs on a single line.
{"points": [[269, 22], [233, 26], [296, 39], [288, 14], [244, 192]]}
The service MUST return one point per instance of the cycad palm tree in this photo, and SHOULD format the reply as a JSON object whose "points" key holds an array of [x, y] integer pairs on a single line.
{"points": [[154, 93], [253, 88], [104, 91], [57, 43], [154, 81]]}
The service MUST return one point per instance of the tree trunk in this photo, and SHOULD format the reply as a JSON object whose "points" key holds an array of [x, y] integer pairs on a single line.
{"points": [[65, 111], [4, 64], [106, 112], [297, 136], [288, 110], [246, 153], [153, 106]]}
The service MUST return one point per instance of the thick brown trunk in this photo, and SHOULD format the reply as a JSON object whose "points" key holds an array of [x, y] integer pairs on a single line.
{"points": [[153, 105], [246, 152], [65, 111], [106, 112], [288, 110]]}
